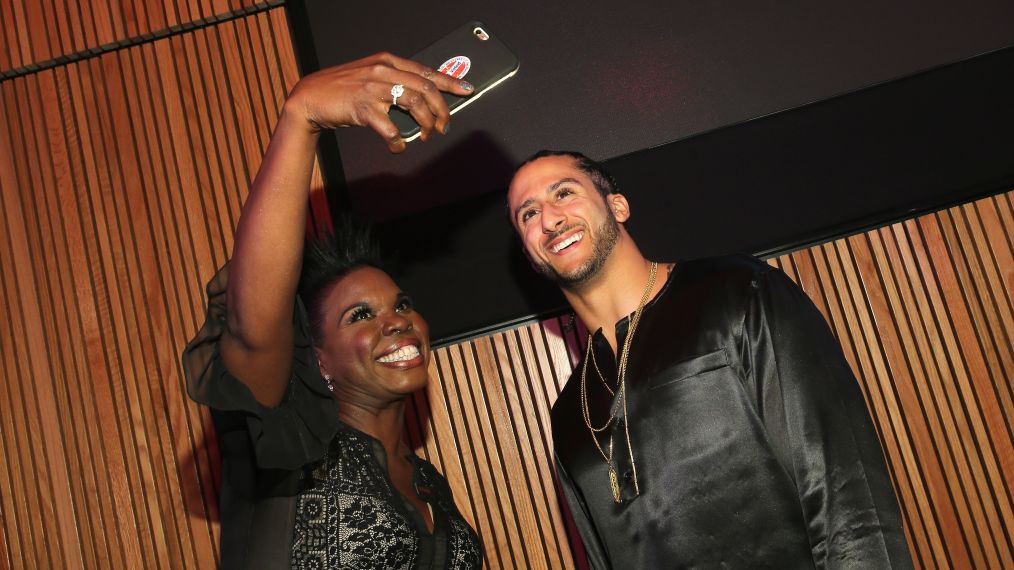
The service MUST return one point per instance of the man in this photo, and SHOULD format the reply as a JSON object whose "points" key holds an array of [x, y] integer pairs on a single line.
{"points": [[713, 421]]}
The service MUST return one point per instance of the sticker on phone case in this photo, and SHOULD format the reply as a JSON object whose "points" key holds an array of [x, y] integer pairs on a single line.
{"points": [[456, 67]]}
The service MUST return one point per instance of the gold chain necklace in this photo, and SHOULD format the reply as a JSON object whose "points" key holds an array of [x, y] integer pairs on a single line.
{"points": [[621, 372], [602, 376]]}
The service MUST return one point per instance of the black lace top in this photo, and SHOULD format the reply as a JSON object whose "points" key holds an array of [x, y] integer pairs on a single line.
{"points": [[299, 487], [351, 516]]}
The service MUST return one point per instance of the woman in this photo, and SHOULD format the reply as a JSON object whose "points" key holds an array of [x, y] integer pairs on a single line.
{"points": [[309, 405]]}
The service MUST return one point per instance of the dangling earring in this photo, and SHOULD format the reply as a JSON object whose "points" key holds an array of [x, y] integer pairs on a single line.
{"points": [[327, 378]]}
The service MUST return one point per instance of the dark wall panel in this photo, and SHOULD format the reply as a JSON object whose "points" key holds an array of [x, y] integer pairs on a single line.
{"points": [[611, 78], [763, 186]]}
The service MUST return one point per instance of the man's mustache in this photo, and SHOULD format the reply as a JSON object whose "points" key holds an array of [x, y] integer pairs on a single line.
{"points": [[561, 231]]}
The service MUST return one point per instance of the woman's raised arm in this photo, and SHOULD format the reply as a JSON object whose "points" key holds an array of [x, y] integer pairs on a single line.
{"points": [[264, 271]]}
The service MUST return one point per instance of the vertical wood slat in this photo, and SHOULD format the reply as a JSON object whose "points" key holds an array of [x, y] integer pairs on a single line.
{"points": [[121, 181], [36, 31], [34, 472]]}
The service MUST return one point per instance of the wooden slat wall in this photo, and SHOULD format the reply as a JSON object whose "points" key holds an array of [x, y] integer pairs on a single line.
{"points": [[36, 31], [121, 179], [488, 432], [924, 312]]}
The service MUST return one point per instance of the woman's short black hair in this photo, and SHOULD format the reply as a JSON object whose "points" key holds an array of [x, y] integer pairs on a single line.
{"points": [[327, 257]]}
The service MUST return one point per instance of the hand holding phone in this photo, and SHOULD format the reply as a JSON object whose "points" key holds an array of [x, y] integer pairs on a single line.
{"points": [[470, 53]]}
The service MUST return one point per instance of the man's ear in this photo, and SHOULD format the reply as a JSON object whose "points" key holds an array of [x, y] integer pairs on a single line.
{"points": [[620, 207]]}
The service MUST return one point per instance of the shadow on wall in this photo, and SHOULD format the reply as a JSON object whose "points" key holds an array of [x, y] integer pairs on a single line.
{"points": [[200, 472], [451, 256], [453, 175]]}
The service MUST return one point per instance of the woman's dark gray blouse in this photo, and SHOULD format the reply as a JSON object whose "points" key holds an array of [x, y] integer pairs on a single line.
{"points": [[302, 490]]}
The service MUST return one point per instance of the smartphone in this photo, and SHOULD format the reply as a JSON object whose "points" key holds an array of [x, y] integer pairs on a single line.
{"points": [[471, 53]]}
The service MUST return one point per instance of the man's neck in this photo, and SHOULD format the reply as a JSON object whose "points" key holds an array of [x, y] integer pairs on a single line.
{"points": [[615, 291]]}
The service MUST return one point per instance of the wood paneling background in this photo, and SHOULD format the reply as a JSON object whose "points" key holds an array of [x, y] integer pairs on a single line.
{"points": [[122, 175], [46, 32], [923, 310], [121, 178]]}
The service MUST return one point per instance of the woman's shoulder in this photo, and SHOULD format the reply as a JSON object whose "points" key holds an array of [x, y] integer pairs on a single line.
{"points": [[286, 436]]}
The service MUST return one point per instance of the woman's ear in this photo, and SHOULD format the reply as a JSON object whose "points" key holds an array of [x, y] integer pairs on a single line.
{"points": [[323, 370], [320, 362], [619, 206]]}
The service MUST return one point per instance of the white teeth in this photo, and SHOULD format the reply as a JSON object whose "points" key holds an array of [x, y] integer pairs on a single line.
{"points": [[574, 238], [404, 353]]}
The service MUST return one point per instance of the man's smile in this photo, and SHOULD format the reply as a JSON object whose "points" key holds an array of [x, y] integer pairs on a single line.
{"points": [[563, 243]]}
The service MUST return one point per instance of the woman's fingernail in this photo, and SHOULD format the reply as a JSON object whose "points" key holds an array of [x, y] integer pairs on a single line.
{"points": [[447, 127], [467, 86]]}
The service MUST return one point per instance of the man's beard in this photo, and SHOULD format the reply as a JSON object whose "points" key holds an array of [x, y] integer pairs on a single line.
{"points": [[608, 235]]}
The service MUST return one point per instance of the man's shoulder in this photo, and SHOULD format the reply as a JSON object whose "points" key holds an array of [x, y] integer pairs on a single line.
{"points": [[716, 289], [734, 269]]}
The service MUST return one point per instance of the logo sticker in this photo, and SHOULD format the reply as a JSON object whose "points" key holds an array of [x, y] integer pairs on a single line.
{"points": [[456, 67]]}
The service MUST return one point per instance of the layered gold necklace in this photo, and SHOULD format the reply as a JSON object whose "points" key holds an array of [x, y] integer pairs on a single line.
{"points": [[621, 393]]}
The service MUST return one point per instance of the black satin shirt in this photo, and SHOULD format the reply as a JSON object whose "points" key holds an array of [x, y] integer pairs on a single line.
{"points": [[751, 442]]}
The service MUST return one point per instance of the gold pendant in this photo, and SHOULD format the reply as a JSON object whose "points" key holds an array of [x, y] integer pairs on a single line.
{"points": [[614, 483]]}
